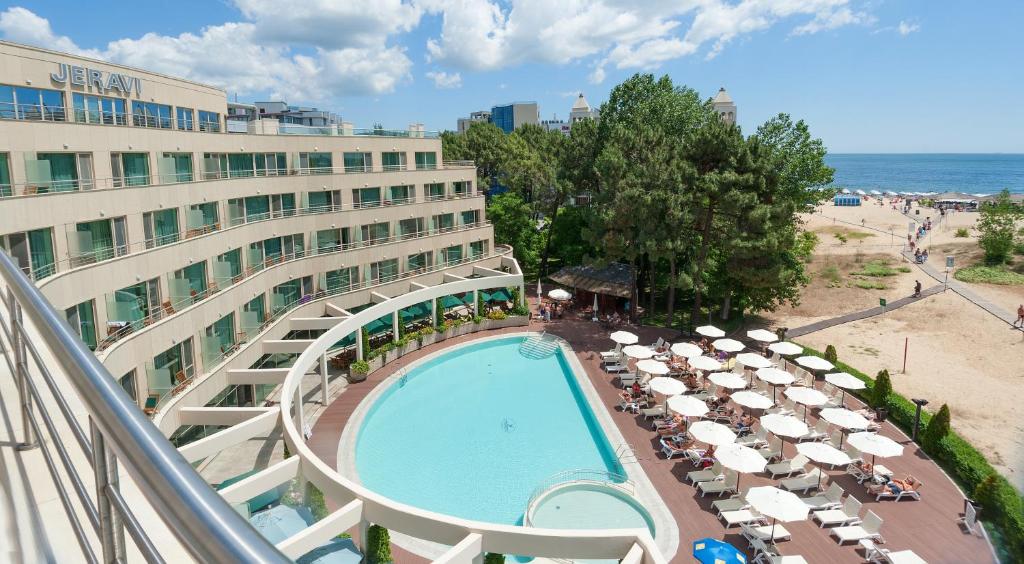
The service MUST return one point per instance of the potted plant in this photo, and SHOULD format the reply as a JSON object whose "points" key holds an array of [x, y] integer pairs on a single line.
{"points": [[358, 370]]}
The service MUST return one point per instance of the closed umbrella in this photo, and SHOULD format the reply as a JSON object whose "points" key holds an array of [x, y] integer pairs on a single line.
{"points": [[686, 350], [638, 352], [687, 406], [814, 363], [624, 338], [809, 397], [778, 504], [727, 345], [785, 348], [741, 459], [710, 331], [712, 433], [704, 363], [783, 426], [762, 335], [595, 308], [845, 382], [823, 454], [775, 377], [652, 367], [539, 291], [753, 360], [560, 295], [728, 380], [752, 400], [875, 445]]}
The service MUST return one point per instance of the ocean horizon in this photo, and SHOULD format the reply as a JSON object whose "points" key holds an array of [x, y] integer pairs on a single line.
{"points": [[971, 173]]}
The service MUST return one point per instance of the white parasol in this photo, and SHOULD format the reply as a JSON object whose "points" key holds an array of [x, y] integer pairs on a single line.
{"points": [[686, 350], [875, 445], [652, 367], [728, 380], [845, 382], [814, 363], [823, 454], [762, 335], [809, 397], [704, 363], [778, 504], [740, 458], [687, 406], [753, 360], [775, 377], [785, 348], [752, 400], [639, 352], [560, 295], [712, 433], [666, 386], [710, 331], [624, 338], [727, 345], [783, 426]]}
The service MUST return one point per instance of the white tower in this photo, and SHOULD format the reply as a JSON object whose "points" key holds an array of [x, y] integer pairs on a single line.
{"points": [[725, 107], [580, 110]]}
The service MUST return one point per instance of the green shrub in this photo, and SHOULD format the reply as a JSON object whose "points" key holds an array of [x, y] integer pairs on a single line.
{"points": [[937, 429], [830, 354], [494, 558], [882, 390], [360, 367], [962, 232], [478, 319], [876, 269], [496, 315], [1002, 505], [315, 501], [869, 285], [378, 545], [989, 275]]}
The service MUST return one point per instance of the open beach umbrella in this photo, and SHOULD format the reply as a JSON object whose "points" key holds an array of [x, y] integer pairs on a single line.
{"points": [[624, 338], [714, 551], [710, 331], [785, 348], [727, 345], [844, 418], [822, 453], [652, 367], [666, 386], [875, 445], [814, 363], [775, 377], [686, 350], [762, 335], [728, 380], [753, 360], [740, 458], [778, 504], [712, 433], [809, 397], [845, 382], [783, 426], [753, 400], [704, 363], [687, 406], [560, 295], [638, 352]]}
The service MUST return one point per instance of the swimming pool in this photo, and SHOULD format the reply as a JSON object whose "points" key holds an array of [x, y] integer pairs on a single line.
{"points": [[474, 431]]}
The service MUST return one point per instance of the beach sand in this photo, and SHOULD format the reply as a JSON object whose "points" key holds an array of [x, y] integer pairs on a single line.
{"points": [[958, 353]]}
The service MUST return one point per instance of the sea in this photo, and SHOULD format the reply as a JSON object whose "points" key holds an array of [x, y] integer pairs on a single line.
{"points": [[970, 173]]}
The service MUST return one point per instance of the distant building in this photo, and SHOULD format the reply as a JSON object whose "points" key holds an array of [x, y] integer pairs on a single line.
{"points": [[297, 115], [556, 125], [483, 116], [508, 117], [723, 104], [581, 110]]}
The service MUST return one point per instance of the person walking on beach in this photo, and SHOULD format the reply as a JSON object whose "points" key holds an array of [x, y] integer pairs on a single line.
{"points": [[1020, 316], [917, 289]]}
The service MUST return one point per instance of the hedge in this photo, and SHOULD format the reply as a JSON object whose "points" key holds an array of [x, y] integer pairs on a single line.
{"points": [[1002, 505]]}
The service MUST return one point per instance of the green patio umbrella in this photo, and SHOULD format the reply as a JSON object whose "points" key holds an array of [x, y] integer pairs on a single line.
{"points": [[449, 302], [500, 295], [413, 313]]}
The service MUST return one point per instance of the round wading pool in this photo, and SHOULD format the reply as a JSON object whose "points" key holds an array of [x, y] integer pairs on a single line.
{"points": [[586, 505]]}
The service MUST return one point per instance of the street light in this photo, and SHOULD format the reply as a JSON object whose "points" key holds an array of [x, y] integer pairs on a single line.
{"points": [[917, 415]]}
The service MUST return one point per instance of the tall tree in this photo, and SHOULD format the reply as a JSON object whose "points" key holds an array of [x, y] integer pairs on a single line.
{"points": [[513, 225], [998, 227]]}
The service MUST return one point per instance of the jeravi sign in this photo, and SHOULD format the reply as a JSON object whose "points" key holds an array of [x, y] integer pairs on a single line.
{"points": [[97, 81]]}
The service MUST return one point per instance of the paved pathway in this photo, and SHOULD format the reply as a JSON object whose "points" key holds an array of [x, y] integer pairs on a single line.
{"points": [[863, 314], [967, 293]]}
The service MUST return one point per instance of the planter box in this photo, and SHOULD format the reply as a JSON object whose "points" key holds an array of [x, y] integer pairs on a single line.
{"points": [[429, 339], [514, 321], [411, 346], [391, 356], [355, 378], [464, 329], [376, 364]]}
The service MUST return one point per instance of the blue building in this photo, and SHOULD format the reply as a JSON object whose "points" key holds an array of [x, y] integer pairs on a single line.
{"points": [[508, 117]]}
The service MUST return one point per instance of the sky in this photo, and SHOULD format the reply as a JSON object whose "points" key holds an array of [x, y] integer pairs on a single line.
{"points": [[912, 76]]}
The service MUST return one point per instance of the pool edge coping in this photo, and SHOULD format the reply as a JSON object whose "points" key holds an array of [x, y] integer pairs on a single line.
{"points": [[646, 493]]}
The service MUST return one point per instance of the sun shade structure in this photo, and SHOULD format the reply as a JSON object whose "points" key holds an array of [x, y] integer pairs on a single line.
{"points": [[822, 453], [712, 433], [652, 367], [752, 360], [809, 397], [814, 363], [687, 406], [727, 345], [666, 386], [639, 352], [714, 551], [752, 400], [686, 350], [845, 382], [624, 338], [762, 335], [778, 504], [728, 380], [740, 458], [612, 280], [785, 348], [774, 376], [704, 363], [783, 425], [710, 331], [875, 445], [844, 418], [560, 295]]}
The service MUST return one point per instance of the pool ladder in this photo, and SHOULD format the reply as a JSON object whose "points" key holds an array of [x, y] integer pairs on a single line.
{"points": [[538, 346], [625, 453]]}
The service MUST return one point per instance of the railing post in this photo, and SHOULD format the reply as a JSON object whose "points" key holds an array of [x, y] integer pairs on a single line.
{"points": [[111, 533], [21, 371]]}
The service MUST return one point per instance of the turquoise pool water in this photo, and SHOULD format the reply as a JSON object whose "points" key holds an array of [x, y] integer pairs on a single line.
{"points": [[472, 432]]}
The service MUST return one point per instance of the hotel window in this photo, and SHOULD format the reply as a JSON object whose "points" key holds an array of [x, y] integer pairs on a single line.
{"points": [[469, 217], [218, 340], [282, 205], [373, 233], [36, 104], [95, 241], [401, 194], [285, 296], [186, 118], [129, 169], [6, 190], [276, 249], [327, 241], [271, 164], [82, 318], [170, 368], [127, 383], [409, 228], [382, 271], [201, 219], [160, 227], [58, 172], [450, 255], [134, 306], [150, 114], [341, 280], [358, 162], [393, 161], [477, 249], [188, 285], [314, 163], [99, 109], [419, 262], [426, 161], [323, 201], [209, 121], [254, 313], [442, 223], [435, 191], [462, 188], [33, 251], [227, 268], [366, 197], [174, 168]]}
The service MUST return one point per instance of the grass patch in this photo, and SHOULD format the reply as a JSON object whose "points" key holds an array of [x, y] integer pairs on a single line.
{"points": [[878, 269], [962, 232], [869, 284], [831, 274], [989, 275], [903, 269]]}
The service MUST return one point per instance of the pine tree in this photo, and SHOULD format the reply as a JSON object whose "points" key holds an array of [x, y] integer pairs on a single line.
{"points": [[880, 392], [937, 429], [830, 354], [378, 545]]}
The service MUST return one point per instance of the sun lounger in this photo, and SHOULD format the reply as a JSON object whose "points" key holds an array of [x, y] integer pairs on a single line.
{"points": [[914, 492], [764, 533], [756, 439], [734, 502], [894, 556], [831, 498], [855, 471], [769, 554], [721, 487], [853, 453], [787, 408], [670, 451], [616, 368], [870, 528], [660, 342], [614, 353], [656, 411], [969, 519], [835, 438], [849, 514], [803, 482], [712, 473], [819, 432], [788, 467], [740, 517], [771, 451]]}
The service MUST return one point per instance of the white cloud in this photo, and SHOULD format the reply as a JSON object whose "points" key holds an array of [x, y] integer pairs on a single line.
{"points": [[838, 18], [445, 80], [330, 24], [906, 28], [24, 26]]}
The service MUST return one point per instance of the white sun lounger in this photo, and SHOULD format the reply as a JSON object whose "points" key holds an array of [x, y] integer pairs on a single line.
{"points": [[756, 439], [870, 528], [740, 517], [769, 554], [616, 368], [614, 353], [804, 482], [819, 432], [712, 473], [764, 533], [734, 502], [669, 451], [720, 487], [969, 519], [849, 514], [788, 467], [832, 498], [914, 494]]}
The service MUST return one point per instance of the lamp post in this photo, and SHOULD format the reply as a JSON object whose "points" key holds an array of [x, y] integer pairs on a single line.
{"points": [[917, 415]]}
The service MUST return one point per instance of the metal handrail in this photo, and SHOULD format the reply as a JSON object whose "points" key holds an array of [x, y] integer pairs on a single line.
{"points": [[201, 519]]}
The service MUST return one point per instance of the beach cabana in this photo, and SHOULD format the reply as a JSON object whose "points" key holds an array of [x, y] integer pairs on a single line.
{"points": [[842, 200], [611, 284]]}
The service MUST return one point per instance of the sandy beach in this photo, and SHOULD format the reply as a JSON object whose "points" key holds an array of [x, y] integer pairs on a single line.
{"points": [[958, 353]]}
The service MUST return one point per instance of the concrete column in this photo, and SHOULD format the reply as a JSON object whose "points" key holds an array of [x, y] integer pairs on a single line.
{"points": [[394, 326], [359, 344], [433, 312], [300, 418], [476, 303], [522, 295], [362, 530], [323, 379]]}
